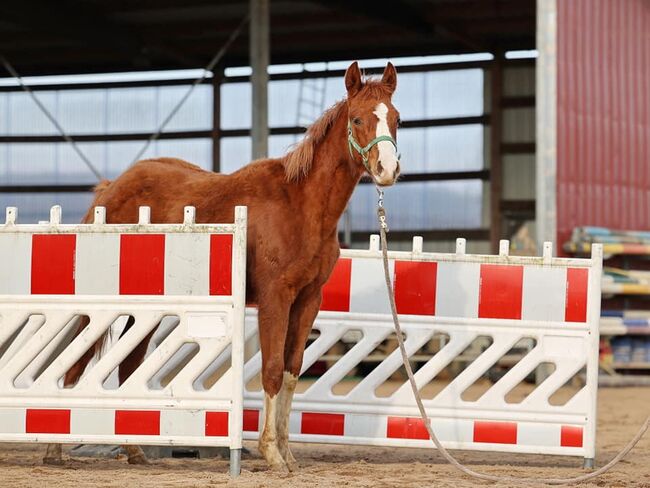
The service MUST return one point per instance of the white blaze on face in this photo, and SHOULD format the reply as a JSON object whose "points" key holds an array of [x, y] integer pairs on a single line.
{"points": [[387, 152]]}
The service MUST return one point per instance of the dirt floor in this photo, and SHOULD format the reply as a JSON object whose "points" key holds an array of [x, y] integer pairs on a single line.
{"points": [[621, 411]]}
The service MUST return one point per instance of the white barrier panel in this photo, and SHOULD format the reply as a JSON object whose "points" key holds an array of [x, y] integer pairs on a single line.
{"points": [[54, 274], [552, 303]]}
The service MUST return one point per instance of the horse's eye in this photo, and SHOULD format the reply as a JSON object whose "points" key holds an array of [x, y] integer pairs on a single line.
{"points": [[356, 121]]}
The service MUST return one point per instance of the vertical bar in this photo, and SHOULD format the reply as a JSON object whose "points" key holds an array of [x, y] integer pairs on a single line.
{"points": [[496, 176], [259, 56], [55, 215], [235, 463], [189, 215], [100, 216], [11, 215], [546, 122], [144, 215], [461, 245], [593, 340], [547, 253], [239, 298], [217, 75], [504, 247], [374, 243], [417, 244]]}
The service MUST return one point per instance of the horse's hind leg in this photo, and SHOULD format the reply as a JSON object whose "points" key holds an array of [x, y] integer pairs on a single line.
{"points": [[273, 323], [301, 319], [126, 368], [53, 454]]}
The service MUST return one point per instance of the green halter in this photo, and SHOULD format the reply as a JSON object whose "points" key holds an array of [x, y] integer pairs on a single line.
{"points": [[363, 151]]}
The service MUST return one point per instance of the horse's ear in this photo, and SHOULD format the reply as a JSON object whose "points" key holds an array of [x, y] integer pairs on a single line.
{"points": [[353, 79], [390, 77]]}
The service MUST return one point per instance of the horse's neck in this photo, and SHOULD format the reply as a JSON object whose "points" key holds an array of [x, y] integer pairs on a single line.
{"points": [[332, 179]]}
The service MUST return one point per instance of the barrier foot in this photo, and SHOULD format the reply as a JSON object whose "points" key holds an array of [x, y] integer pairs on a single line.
{"points": [[588, 463], [235, 462]]}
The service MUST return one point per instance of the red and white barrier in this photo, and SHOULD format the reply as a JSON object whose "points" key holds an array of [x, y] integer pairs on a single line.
{"points": [[196, 274], [56, 273], [553, 302]]}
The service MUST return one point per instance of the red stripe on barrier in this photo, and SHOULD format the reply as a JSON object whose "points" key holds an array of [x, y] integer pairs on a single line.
{"points": [[322, 423], [216, 424], [495, 432], [500, 291], [251, 420], [44, 421], [221, 264], [53, 260], [142, 264], [406, 428], [571, 436], [336, 292], [577, 280], [137, 422], [415, 287]]}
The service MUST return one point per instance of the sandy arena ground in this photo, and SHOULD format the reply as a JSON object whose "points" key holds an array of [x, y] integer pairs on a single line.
{"points": [[621, 411]]}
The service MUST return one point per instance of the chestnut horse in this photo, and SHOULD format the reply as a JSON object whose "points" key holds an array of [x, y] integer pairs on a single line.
{"points": [[294, 205]]}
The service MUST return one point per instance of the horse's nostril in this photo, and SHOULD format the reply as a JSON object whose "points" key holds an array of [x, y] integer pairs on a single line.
{"points": [[380, 168]]}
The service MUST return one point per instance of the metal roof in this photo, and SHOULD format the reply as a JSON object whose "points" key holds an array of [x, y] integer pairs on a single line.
{"points": [[42, 37]]}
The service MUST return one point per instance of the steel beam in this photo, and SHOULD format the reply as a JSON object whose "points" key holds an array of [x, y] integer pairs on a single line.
{"points": [[546, 122], [259, 56]]}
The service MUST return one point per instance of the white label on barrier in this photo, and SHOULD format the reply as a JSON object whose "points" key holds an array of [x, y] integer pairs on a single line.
{"points": [[207, 324]]}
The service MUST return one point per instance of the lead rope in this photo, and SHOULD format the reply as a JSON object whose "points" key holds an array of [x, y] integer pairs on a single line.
{"points": [[383, 229]]}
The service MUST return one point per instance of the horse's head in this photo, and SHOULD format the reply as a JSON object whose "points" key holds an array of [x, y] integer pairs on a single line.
{"points": [[372, 123]]}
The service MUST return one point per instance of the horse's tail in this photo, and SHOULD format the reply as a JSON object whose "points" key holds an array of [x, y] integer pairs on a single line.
{"points": [[95, 351]]}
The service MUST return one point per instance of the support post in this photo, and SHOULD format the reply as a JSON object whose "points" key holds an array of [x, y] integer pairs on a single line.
{"points": [[217, 75], [546, 122], [235, 463], [546, 134], [259, 58], [496, 173]]}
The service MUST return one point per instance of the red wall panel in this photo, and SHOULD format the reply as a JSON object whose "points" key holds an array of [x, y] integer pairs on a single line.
{"points": [[603, 174]]}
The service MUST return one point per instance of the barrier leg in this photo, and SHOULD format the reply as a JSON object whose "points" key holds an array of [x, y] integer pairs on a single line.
{"points": [[588, 463], [235, 462]]}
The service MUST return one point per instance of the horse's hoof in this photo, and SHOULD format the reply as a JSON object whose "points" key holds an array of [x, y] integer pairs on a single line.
{"points": [[53, 461], [292, 465], [140, 459], [279, 467]]}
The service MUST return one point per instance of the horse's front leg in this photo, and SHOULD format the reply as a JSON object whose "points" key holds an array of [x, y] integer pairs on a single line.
{"points": [[273, 319], [302, 316]]}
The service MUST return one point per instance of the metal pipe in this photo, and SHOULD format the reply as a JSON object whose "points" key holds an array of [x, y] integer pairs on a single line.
{"points": [[259, 58], [546, 115]]}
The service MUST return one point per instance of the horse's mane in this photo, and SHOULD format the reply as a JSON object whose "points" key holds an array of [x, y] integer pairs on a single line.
{"points": [[298, 161]]}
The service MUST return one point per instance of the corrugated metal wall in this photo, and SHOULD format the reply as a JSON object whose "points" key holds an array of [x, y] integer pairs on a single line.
{"points": [[603, 174]]}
